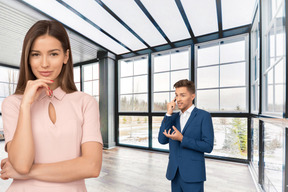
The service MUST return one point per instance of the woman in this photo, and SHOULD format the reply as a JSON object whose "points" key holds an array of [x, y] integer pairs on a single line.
{"points": [[52, 131]]}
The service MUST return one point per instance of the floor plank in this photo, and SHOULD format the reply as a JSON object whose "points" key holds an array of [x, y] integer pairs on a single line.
{"points": [[130, 170]]}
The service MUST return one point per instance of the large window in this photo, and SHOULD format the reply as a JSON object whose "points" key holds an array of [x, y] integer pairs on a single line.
{"points": [[274, 58], [133, 98], [137, 121], [133, 84], [221, 75], [168, 67]]}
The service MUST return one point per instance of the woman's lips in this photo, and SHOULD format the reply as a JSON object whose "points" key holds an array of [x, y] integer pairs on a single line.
{"points": [[45, 73]]}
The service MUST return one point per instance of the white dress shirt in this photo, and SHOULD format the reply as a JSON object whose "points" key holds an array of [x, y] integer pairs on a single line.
{"points": [[185, 116]]}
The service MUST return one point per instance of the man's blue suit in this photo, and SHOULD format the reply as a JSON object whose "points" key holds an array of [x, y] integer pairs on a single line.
{"points": [[188, 156]]}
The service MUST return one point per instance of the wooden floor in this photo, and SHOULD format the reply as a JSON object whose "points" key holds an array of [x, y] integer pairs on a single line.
{"points": [[134, 170]]}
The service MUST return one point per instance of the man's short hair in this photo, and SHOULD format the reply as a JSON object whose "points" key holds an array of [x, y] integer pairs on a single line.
{"points": [[185, 83]]}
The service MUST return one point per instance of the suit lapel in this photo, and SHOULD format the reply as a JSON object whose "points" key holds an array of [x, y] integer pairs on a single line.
{"points": [[177, 125], [192, 116]]}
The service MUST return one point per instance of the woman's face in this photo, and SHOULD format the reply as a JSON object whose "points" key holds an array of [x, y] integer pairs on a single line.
{"points": [[47, 57]]}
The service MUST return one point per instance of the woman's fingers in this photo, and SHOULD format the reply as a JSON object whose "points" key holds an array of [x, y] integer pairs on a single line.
{"points": [[3, 162], [34, 88]]}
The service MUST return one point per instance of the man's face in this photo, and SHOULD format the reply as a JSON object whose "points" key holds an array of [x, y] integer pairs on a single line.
{"points": [[184, 98]]}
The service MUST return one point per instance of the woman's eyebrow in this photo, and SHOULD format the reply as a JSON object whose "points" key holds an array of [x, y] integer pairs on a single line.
{"points": [[54, 50]]}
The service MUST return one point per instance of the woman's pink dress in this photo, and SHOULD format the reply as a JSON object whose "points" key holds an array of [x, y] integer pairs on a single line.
{"points": [[77, 122]]}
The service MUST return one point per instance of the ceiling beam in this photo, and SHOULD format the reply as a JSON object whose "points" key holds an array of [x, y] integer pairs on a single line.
{"points": [[123, 23], [93, 24], [146, 12], [219, 18], [185, 19], [188, 42]]}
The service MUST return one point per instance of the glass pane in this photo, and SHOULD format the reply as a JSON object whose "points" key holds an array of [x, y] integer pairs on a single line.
{"points": [[76, 74], [233, 99], [279, 73], [270, 77], [272, 7], [87, 72], [126, 103], [280, 35], [166, 14], [178, 75], [95, 71], [161, 82], [88, 87], [126, 68], [230, 137], [4, 74], [133, 130], [180, 60], [156, 123], [140, 66], [273, 157], [208, 56], [140, 84], [237, 13], [161, 62], [12, 88], [208, 99], [279, 98], [126, 85], [160, 101], [207, 77], [200, 12], [4, 90], [140, 102], [271, 47], [15, 75], [95, 87], [255, 145], [232, 52], [270, 98], [78, 86], [232, 75]]}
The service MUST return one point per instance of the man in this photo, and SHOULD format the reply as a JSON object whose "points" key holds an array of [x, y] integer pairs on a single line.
{"points": [[189, 134]]}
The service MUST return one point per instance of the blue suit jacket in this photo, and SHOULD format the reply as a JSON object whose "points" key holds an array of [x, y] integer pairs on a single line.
{"points": [[188, 155]]}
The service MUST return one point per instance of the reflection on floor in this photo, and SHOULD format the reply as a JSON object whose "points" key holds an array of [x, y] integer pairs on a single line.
{"points": [[130, 170]]}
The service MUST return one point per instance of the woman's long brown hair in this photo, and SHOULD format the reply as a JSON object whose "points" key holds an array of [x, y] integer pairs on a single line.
{"points": [[54, 29]]}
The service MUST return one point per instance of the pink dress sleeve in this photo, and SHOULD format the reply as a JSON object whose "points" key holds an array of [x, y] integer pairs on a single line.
{"points": [[10, 113], [91, 124]]}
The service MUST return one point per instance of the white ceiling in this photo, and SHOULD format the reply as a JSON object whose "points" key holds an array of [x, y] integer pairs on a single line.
{"points": [[122, 26], [150, 22]]}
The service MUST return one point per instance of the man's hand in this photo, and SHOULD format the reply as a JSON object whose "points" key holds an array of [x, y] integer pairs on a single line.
{"points": [[175, 135], [171, 106]]}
